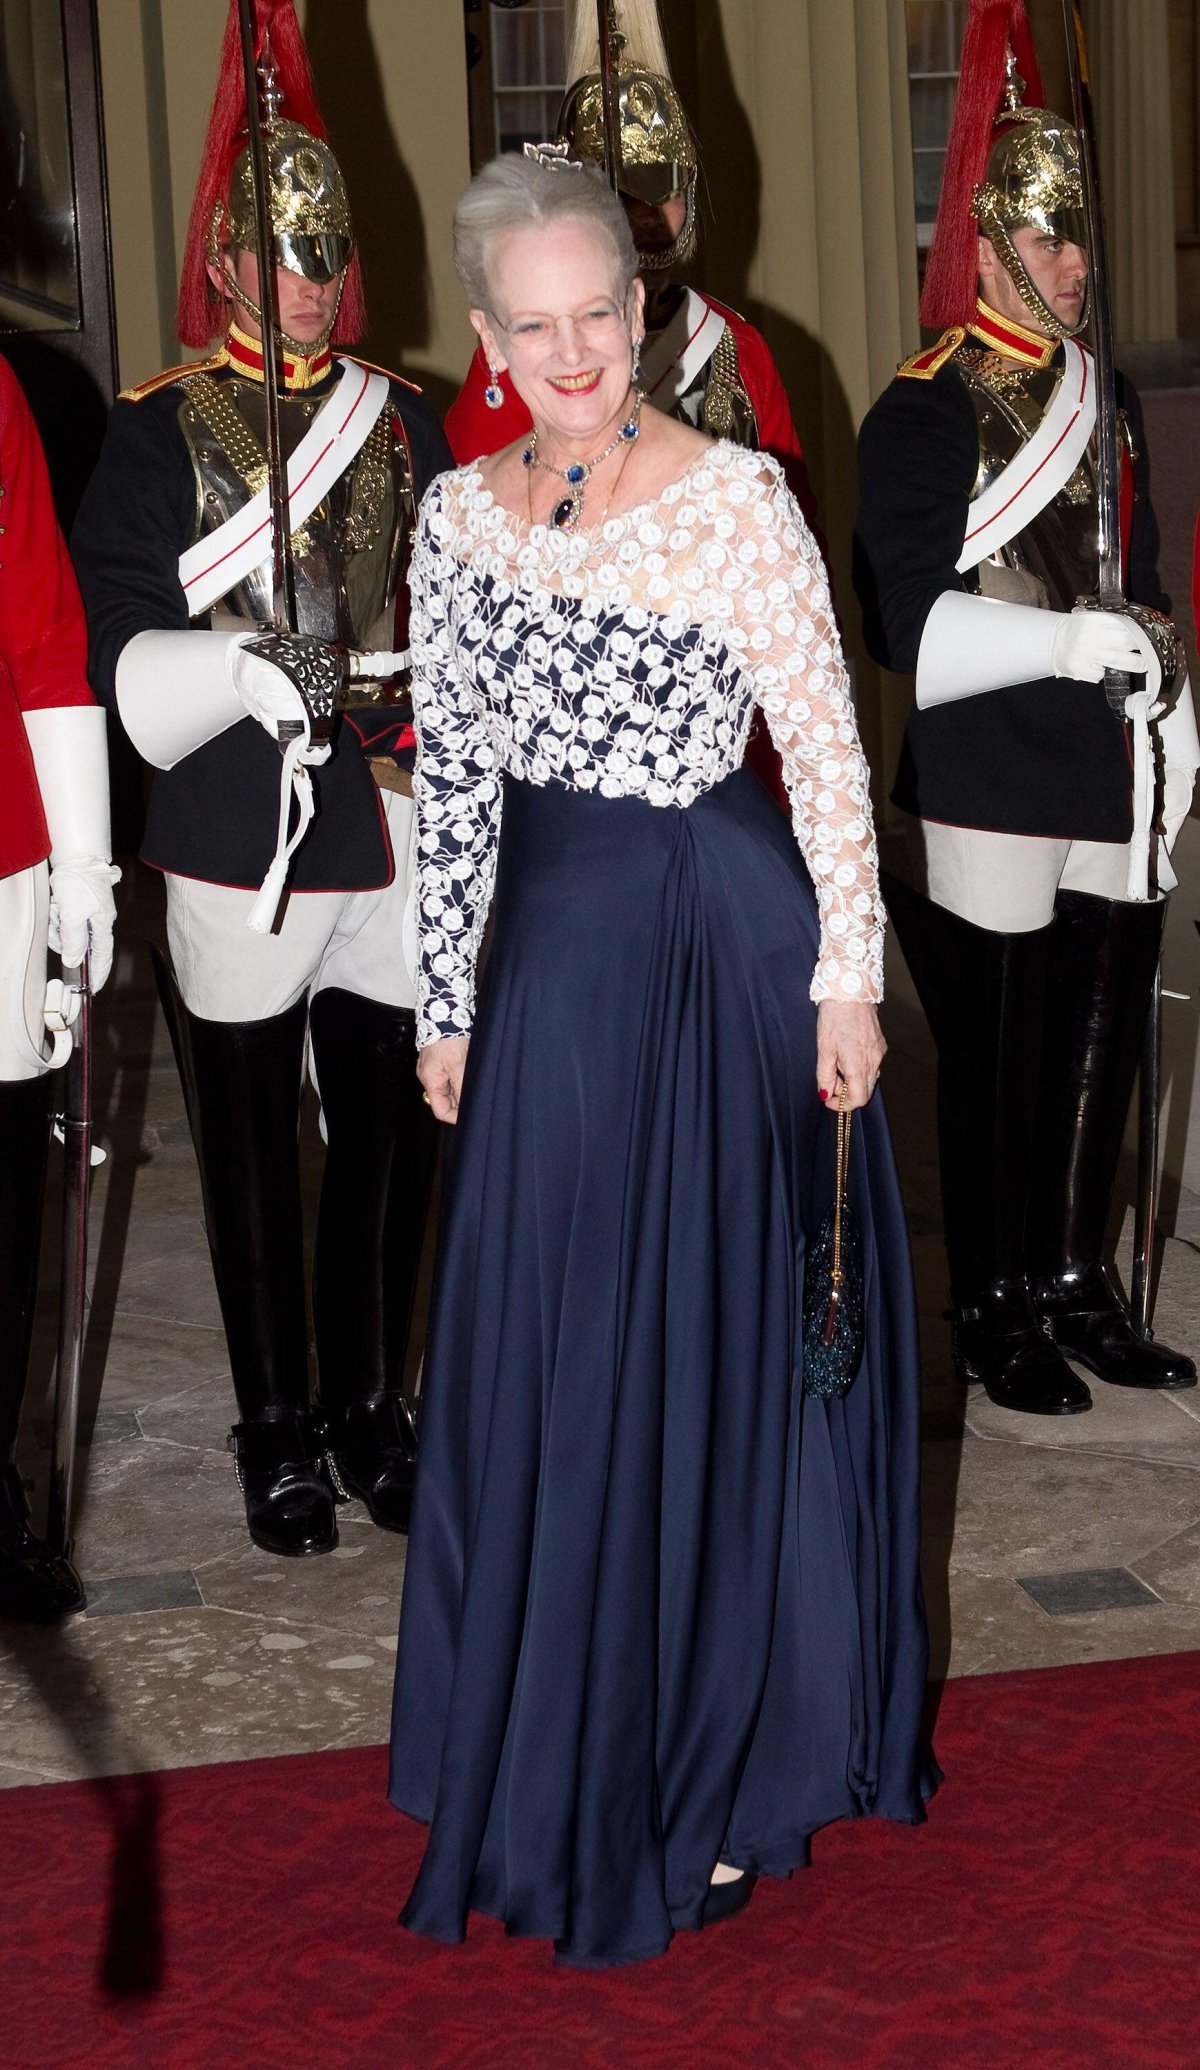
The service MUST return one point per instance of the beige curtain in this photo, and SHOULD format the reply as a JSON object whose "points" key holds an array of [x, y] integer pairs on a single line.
{"points": [[802, 111], [1130, 64]]}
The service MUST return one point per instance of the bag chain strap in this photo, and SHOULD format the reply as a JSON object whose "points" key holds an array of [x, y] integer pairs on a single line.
{"points": [[836, 1276]]}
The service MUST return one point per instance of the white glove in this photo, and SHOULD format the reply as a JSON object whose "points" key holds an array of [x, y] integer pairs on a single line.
{"points": [[265, 692], [1088, 642], [70, 756], [82, 914], [178, 690], [974, 644]]}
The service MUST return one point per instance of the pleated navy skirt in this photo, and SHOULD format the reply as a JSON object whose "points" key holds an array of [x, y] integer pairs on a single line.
{"points": [[660, 1607]]}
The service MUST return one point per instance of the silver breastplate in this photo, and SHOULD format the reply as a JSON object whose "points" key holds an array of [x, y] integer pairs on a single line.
{"points": [[1054, 560], [350, 553]]}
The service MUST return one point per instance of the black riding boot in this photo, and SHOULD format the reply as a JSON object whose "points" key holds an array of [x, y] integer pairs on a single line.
{"points": [[982, 995], [241, 1084], [1103, 956], [374, 1196], [36, 1585]]}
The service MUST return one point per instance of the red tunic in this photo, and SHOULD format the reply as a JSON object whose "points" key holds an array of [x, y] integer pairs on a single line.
{"points": [[43, 640]]}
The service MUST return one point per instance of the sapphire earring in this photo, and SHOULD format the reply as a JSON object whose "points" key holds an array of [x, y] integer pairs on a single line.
{"points": [[493, 394]]}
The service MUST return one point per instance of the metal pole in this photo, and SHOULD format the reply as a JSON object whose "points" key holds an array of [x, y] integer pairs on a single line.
{"points": [[1142, 1289], [283, 574], [75, 1123], [608, 93]]}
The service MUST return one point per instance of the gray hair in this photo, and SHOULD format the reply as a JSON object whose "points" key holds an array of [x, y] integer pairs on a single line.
{"points": [[514, 192]]}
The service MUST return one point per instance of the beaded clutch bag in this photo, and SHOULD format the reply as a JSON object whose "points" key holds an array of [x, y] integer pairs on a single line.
{"points": [[833, 1288]]}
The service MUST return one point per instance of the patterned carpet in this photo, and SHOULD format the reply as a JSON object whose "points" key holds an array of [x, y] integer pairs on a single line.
{"points": [[244, 1915]]}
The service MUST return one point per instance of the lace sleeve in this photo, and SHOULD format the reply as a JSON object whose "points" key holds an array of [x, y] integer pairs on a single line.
{"points": [[456, 788], [792, 652]]}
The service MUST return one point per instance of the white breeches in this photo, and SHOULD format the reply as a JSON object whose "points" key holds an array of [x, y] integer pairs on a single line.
{"points": [[358, 940], [24, 920], [1008, 882]]}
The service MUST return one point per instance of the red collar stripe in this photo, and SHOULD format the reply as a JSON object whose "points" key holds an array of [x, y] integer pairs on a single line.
{"points": [[245, 354], [1011, 338]]}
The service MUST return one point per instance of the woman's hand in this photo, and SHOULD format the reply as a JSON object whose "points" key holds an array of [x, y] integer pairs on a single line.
{"points": [[440, 1067], [850, 1050]]}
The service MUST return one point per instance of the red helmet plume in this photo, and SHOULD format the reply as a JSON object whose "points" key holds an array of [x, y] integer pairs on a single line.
{"points": [[201, 309], [994, 27]]}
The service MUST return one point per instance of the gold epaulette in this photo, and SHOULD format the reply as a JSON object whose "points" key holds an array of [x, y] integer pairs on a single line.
{"points": [[932, 358], [371, 368], [164, 380]]}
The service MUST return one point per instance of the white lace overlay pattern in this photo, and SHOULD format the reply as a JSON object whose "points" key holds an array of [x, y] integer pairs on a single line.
{"points": [[628, 660]]}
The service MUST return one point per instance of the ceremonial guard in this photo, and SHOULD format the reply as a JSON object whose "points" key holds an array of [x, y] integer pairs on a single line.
{"points": [[700, 361], [56, 880], [174, 550], [1039, 831]]}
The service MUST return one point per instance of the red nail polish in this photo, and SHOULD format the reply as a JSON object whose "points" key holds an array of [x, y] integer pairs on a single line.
{"points": [[821, 1093]]}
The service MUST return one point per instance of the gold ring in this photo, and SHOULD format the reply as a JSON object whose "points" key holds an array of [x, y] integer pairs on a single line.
{"points": [[427, 1100]]}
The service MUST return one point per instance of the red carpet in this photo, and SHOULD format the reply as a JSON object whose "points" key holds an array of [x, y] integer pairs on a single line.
{"points": [[1048, 1915]]}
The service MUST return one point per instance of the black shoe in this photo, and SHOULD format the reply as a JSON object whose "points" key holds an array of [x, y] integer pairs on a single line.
{"points": [[1087, 1319], [998, 1341], [373, 1454], [282, 1474], [37, 1586], [724, 1899]]}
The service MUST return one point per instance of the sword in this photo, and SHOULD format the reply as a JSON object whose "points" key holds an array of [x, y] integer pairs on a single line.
{"points": [[1141, 1292], [283, 583], [1110, 593], [284, 646], [73, 1128], [1110, 596]]}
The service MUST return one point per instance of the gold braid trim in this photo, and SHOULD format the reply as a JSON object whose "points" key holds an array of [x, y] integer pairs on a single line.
{"points": [[725, 385]]}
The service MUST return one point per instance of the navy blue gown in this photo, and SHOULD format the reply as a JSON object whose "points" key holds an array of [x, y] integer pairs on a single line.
{"points": [[660, 1606]]}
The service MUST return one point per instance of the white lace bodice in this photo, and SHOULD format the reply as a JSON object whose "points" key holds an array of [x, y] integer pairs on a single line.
{"points": [[628, 660]]}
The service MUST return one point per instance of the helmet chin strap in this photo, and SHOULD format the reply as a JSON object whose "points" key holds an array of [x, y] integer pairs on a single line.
{"points": [[680, 249], [1021, 278], [301, 348]]}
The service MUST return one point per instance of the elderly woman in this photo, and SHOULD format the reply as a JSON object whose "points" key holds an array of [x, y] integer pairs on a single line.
{"points": [[662, 1616]]}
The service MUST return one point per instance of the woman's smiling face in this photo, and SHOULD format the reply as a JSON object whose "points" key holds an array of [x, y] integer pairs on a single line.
{"points": [[563, 326]]}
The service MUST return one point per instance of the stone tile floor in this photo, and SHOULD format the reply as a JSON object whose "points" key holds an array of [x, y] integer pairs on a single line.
{"points": [[1046, 1541]]}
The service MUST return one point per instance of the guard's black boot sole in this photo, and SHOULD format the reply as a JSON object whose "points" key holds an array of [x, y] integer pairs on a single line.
{"points": [[998, 1342], [373, 1455], [1087, 1320], [37, 1586], [289, 1500], [1022, 1372]]}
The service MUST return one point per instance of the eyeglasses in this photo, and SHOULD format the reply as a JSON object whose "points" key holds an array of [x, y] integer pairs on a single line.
{"points": [[598, 326]]}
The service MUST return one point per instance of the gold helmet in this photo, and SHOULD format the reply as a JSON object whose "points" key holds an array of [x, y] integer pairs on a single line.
{"points": [[1008, 167], [656, 149], [1033, 180], [310, 214], [310, 210]]}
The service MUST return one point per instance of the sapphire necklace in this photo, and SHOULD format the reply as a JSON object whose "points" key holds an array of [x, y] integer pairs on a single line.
{"points": [[566, 515]]}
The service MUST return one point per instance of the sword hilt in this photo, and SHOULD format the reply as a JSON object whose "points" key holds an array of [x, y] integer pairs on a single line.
{"points": [[314, 667], [1118, 685]]}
